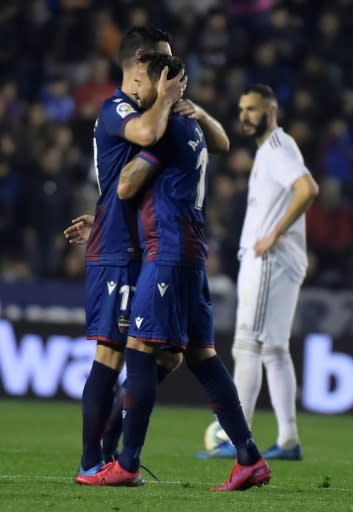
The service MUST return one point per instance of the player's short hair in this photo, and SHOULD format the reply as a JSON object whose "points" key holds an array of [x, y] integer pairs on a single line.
{"points": [[265, 91], [156, 63], [141, 38]]}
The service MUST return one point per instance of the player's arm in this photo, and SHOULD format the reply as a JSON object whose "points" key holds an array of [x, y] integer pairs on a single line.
{"points": [[134, 176], [78, 233], [216, 138], [304, 189], [148, 128]]}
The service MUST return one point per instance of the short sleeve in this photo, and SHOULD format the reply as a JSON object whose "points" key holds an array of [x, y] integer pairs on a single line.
{"points": [[286, 164], [116, 115], [149, 157], [156, 154]]}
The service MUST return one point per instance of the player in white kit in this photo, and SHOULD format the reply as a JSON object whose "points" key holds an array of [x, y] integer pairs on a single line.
{"points": [[272, 268]]}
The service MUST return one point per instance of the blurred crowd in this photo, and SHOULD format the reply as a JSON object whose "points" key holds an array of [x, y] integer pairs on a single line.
{"points": [[58, 61]]}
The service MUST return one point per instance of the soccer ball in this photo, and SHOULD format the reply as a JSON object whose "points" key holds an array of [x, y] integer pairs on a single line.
{"points": [[214, 436]]}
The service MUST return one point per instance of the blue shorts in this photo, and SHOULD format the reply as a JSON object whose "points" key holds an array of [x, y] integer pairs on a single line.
{"points": [[108, 300], [172, 307]]}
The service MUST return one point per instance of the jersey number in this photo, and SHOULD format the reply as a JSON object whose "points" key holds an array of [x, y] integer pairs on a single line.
{"points": [[201, 187], [95, 159], [125, 295]]}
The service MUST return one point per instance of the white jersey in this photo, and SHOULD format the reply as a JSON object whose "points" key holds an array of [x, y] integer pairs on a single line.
{"points": [[278, 164]]}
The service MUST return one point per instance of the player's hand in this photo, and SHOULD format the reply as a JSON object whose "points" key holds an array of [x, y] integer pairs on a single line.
{"points": [[188, 109], [173, 89], [263, 245], [78, 233]]}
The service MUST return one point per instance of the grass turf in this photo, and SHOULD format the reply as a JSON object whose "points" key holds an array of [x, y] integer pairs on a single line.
{"points": [[40, 450]]}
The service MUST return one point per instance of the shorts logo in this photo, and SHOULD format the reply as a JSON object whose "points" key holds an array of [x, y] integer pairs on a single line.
{"points": [[138, 321], [111, 285], [162, 287], [124, 109]]}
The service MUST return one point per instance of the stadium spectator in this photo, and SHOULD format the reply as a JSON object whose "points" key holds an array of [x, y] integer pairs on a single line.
{"points": [[47, 191], [330, 235], [336, 155], [97, 87], [56, 100]]}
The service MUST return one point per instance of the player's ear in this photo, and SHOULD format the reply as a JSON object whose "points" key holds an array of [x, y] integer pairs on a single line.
{"points": [[140, 70], [138, 53], [273, 112]]}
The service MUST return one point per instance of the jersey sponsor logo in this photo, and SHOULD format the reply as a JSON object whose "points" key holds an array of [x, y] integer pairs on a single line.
{"points": [[163, 287], [124, 109], [138, 321], [111, 285]]}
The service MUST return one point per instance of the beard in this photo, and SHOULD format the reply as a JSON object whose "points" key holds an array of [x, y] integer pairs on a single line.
{"points": [[260, 128]]}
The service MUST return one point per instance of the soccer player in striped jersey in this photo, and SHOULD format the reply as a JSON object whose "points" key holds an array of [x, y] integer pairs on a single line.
{"points": [[272, 268], [172, 309]]}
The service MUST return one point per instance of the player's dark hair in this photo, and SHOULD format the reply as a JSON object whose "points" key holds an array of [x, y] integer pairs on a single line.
{"points": [[156, 63], [141, 38], [263, 90]]}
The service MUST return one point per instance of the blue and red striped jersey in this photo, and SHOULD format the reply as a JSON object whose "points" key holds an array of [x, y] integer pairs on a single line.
{"points": [[114, 238], [172, 212]]}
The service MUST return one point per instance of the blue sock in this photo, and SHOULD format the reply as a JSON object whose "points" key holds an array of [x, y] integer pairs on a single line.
{"points": [[97, 400], [138, 404], [224, 399], [114, 427]]}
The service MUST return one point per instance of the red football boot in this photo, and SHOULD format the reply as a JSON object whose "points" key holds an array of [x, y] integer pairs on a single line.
{"points": [[244, 477], [111, 474]]}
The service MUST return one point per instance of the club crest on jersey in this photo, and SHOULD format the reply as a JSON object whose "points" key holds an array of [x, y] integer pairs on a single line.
{"points": [[124, 109], [138, 321], [162, 287], [111, 285]]}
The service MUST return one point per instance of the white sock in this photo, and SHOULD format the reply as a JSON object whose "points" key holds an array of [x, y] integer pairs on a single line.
{"points": [[248, 374], [282, 388]]}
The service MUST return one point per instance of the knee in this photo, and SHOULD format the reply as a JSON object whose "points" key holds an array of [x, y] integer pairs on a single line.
{"points": [[194, 356], [109, 357], [271, 354], [169, 360], [247, 347]]}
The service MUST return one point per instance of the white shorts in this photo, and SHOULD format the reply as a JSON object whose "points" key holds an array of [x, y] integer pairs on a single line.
{"points": [[267, 299]]}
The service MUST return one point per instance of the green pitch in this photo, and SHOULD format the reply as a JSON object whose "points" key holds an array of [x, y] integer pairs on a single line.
{"points": [[40, 450]]}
